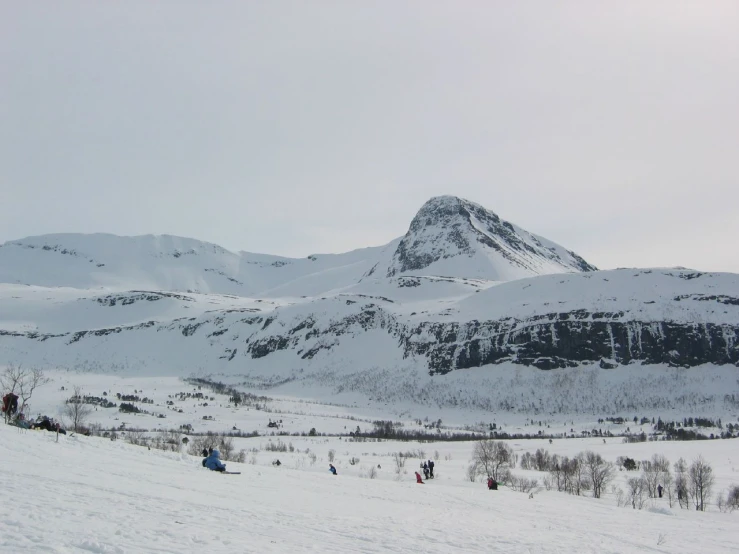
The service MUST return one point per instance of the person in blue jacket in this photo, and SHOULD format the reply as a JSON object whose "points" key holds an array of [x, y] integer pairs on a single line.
{"points": [[213, 461]]}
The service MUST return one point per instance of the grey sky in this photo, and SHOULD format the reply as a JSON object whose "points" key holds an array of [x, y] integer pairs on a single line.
{"points": [[299, 127]]}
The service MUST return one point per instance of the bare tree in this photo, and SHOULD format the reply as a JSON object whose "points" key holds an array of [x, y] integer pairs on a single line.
{"points": [[653, 472], [668, 484], [636, 492], [33, 379], [492, 458], [598, 471], [700, 482], [577, 467], [681, 483], [730, 502], [10, 377], [399, 462], [75, 410], [21, 382]]}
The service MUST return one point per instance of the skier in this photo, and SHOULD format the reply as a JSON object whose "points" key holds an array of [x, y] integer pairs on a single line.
{"points": [[213, 461], [418, 479], [332, 469]]}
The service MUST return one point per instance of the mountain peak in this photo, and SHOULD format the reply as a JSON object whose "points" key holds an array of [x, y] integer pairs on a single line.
{"points": [[480, 244]]}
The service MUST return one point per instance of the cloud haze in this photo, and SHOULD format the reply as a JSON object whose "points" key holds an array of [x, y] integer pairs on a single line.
{"points": [[300, 127]]}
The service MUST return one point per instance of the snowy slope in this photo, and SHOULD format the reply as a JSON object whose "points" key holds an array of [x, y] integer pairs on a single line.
{"points": [[171, 263], [88, 494], [674, 317]]}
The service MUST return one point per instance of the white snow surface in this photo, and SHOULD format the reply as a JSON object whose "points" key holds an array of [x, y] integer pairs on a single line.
{"points": [[91, 494]]}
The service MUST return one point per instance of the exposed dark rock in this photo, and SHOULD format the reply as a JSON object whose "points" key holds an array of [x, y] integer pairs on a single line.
{"points": [[444, 228]]}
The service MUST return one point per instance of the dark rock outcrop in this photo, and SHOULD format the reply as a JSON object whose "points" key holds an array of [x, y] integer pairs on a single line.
{"points": [[566, 340]]}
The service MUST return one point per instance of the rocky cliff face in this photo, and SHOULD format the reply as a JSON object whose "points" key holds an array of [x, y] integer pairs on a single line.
{"points": [[547, 341], [560, 340], [651, 320]]}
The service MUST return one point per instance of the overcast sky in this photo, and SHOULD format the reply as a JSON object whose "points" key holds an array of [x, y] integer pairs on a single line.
{"points": [[305, 127]]}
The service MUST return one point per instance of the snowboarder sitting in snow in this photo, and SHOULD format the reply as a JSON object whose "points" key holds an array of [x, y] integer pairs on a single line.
{"points": [[332, 469], [213, 461], [492, 484], [20, 421], [418, 479]]}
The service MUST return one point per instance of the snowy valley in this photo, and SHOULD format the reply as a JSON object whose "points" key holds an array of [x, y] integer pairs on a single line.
{"points": [[468, 327]]}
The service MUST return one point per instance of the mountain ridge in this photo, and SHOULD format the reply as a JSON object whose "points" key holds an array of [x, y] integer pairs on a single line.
{"points": [[497, 252], [188, 307]]}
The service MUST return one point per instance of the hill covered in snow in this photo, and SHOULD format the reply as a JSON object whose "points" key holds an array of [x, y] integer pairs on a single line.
{"points": [[462, 289], [91, 494]]}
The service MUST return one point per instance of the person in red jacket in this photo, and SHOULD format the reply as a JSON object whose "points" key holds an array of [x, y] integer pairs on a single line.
{"points": [[418, 479]]}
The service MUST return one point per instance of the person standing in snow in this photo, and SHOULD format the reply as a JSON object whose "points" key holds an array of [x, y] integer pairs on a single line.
{"points": [[431, 469], [418, 479], [659, 490], [213, 461], [425, 468]]}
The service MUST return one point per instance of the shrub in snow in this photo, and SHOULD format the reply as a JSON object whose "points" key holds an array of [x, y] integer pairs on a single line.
{"points": [[492, 458], [730, 501]]}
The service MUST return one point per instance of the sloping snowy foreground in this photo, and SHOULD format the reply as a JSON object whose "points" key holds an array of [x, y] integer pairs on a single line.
{"points": [[92, 495]]}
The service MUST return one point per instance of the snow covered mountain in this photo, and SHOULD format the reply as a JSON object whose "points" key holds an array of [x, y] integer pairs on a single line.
{"points": [[449, 236], [458, 238], [462, 289], [171, 263]]}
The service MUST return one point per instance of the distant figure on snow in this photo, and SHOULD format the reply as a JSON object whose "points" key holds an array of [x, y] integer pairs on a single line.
{"points": [[418, 479], [425, 467], [213, 461], [492, 484], [659, 490], [332, 469], [205, 452], [431, 469]]}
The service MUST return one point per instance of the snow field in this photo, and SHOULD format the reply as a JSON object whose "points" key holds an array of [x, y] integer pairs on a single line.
{"points": [[91, 494], [88, 494]]}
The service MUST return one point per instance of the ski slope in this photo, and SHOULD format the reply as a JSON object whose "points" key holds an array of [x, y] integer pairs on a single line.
{"points": [[93, 495]]}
